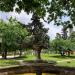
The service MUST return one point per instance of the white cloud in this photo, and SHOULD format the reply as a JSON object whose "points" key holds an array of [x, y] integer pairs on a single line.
{"points": [[53, 29], [22, 17]]}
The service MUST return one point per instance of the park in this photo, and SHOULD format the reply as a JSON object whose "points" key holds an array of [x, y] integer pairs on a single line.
{"points": [[28, 49]]}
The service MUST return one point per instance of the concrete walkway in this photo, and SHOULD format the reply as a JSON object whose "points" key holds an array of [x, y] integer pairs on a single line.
{"points": [[11, 56]]}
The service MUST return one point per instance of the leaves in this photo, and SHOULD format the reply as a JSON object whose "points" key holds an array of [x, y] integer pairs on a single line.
{"points": [[26, 5], [38, 32], [12, 34]]}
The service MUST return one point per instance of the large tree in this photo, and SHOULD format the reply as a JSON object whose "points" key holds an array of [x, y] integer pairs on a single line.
{"points": [[40, 39]]}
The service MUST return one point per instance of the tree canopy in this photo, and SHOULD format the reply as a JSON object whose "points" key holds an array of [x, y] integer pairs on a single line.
{"points": [[12, 34], [38, 32], [60, 43], [26, 5], [55, 8]]}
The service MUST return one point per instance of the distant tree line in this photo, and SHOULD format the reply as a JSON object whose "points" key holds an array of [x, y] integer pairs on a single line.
{"points": [[12, 35], [62, 45]]}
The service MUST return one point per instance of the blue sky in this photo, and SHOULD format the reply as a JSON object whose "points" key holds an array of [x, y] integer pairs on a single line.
{"points": [[24, 18]]}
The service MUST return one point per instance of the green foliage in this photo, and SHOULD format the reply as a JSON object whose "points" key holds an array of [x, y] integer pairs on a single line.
{"points": [[72, 39], [72, 36], [55, 8], [37, 6], [65, 44], [6, 63], [27, 42], [38, 32], [12, 34], [59, 8]]}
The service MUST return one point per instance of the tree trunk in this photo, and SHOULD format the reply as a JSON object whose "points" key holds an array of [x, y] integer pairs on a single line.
{"points": [[38, 54], [14, 53], [20, 53], [4, 54], [37, 49], [69, 53], [38, 71]]}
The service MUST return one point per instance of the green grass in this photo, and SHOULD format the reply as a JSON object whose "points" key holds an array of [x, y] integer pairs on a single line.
{"points": [[48, 57], [4, 63], [43, 56], [61, 60], [55, 57], [27, 57], [67, 63]]}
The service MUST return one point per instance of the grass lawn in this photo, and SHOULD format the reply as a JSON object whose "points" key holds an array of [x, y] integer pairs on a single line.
{"points": [[61, 61], [46, 56], [5, 63], [67, 63], [55, 57]]}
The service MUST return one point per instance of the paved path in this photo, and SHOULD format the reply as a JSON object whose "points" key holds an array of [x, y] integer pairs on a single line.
{"points": [[11, 56]]}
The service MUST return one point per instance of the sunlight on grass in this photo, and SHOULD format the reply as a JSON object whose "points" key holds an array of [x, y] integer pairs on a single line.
{"points": [[30, 57], [56, 57], [50, 57], [8, 63], [61, 61], [67, 63]]}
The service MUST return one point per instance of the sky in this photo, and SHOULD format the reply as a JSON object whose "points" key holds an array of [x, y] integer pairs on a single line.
{"points": [[24, 18]]}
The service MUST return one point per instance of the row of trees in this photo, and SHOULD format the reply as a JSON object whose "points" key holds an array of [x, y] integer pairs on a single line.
{"points": [[12, 35], [64, 45], [56, 9], [17, 36], [40, 39]]}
